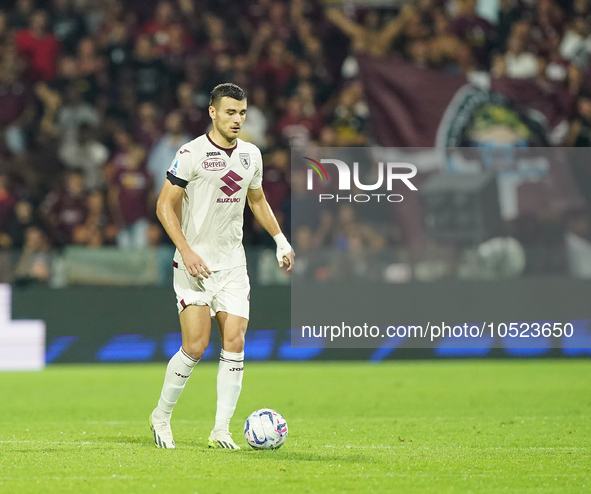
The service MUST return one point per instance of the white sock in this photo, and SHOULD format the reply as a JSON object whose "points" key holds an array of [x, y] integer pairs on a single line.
{"points": [[229, 386], [177, 374]]}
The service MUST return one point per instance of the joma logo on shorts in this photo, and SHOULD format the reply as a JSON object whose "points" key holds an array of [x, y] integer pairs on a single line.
{"points": [[236, 369]]}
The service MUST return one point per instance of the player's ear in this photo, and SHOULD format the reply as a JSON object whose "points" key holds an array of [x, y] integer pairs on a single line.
{"points": [[212, 111]]}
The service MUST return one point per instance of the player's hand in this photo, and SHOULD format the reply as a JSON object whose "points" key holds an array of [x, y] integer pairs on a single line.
{"points": [[195, 265], [287, 260], [285, 254]]}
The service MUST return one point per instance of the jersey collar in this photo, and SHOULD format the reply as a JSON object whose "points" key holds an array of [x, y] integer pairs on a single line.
{"points": [[227, 150]]}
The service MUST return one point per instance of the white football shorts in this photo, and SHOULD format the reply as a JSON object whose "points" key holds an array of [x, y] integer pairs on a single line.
{"points": [[227, 290]]}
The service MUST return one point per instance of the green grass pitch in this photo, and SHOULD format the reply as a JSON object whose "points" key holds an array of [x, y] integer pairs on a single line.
{"points": [[409, 427]]}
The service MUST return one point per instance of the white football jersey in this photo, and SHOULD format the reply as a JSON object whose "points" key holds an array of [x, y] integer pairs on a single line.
{"points": [[216, 181]]}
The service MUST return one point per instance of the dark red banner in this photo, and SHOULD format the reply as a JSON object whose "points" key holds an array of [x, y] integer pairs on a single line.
{"points": [[416, 107]]}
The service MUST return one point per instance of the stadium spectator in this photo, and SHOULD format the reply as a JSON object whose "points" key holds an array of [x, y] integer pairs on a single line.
{"points": [[368, 38], [67, 73], [4, 28], [327, 138], [278, 17], [294, 127], [88, 154], [148, 70], [195, 119], [306, 93], [276, 69], [148, 128], [516, 62], [548, 20], [126, 149], [88, 62], [21, 16], [131, 194], [67, 25], [16, 103], [576, 43], [66, 209], [305, 74], [445, 50], [162, 154], [510, 11], [159, 26], [51, 102], [255, 126], [554, 68], [15, 217], [123, 108], [34, 264], [117, 45], [178, 51], [241, 71], [360, 246], [166, 30], [112, 12], [99, 228], [7, 202], [318, 217], [313, 263], [276, 178], [476, 32], [579, 134], [191, 16], [220, 71], [218, 41], [38, 47], [311, 48], [75, 112], [20, 222], [349, 120]]}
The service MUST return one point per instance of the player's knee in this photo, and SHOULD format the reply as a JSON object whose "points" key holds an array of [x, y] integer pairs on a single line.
{"points": [[195, 349], [234, 343]]}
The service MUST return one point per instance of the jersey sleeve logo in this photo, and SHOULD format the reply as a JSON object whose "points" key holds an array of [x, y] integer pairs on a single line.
{"points": [[184, 151], [174, 168], [214, 164], [245, 160]]}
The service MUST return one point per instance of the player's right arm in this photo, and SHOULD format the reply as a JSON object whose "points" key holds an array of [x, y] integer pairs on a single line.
{"points": [[170, 196]]}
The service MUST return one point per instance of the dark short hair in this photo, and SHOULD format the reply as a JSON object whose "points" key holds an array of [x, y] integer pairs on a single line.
{"points": [[227, 89]]}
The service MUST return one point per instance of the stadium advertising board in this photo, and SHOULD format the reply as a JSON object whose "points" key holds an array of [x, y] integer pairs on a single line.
{"points": [[22, 342]]}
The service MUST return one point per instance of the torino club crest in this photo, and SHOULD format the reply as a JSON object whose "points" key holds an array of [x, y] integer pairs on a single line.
{"points": [[245, 160]]}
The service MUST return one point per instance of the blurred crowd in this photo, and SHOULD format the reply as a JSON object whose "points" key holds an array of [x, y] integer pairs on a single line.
{"points": [[96, 96]]}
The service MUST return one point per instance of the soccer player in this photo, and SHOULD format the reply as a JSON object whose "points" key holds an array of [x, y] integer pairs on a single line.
{"points": [[214, 175]]}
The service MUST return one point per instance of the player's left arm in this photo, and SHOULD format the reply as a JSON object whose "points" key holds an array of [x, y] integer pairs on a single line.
{"points": [[265, 216]]}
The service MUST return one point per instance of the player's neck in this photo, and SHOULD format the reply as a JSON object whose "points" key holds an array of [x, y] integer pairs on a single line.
{"points": [[220, 141]]}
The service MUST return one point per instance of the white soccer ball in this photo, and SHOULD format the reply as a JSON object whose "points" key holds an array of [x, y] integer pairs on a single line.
{"points": [[265, 429]]}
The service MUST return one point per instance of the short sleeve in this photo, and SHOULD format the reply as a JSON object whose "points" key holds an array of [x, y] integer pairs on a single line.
{"points": [[181, 168], [257, 179]]}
